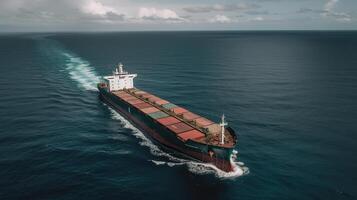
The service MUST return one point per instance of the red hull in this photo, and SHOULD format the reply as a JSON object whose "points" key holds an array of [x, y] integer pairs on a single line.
{"points": [[222, 164]]}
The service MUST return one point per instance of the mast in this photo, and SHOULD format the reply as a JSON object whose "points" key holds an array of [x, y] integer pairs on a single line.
{"points": [[120, 66], [119, 70], [223, 124]]}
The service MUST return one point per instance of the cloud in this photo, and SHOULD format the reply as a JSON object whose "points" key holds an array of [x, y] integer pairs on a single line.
{"points": [[330, 4], [95, 11], [328, 11], [64, 12], [309, 10], [96, 8], [159, 14], [40, 15], [220, 19], [115, 16], [257, 12], [259, 18], [220, 8], [340, 16], [269, 0]]}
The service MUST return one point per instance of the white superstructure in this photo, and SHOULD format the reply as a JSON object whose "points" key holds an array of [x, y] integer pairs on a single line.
{"points": [[120, 79]]}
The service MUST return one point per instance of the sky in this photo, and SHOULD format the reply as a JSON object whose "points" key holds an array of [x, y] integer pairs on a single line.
{"points": [[144, 15]]}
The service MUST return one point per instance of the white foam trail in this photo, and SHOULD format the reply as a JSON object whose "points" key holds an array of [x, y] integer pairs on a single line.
{"points": [[193, 166], [170, 164], [206, 168], [158, 162], [138, 134], [81, 72]]}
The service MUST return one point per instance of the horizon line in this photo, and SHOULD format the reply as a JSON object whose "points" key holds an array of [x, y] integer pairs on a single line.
{"points": [[188, 30]]}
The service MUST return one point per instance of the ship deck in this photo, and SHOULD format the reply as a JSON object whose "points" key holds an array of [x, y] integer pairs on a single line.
{"points": [[187, 125]]}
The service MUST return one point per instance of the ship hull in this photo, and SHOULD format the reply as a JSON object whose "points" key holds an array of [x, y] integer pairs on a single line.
{"points": [[194, 150]]}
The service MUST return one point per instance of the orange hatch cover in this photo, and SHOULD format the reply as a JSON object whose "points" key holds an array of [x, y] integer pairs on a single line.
{"points": [[168, 121], [193, 134]]}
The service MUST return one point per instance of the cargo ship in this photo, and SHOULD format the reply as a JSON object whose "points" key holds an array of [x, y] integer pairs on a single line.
{"points": [[168, 124]]}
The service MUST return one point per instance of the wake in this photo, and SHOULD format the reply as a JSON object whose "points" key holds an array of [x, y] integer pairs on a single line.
{"points": [[193, 166], [81, 72]]}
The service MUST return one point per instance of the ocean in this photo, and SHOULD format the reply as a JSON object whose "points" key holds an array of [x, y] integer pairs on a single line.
{"points": [[290, 95]]}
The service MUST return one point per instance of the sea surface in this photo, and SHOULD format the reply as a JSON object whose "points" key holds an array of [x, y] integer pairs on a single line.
{"points": [[291, 97]]}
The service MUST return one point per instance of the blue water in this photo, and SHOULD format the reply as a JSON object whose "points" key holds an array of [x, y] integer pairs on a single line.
{"points": [[291, 96]]}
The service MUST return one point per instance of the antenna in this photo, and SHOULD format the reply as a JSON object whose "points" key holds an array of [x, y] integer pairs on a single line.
{"points": [[120, 66], [223, 124]]}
